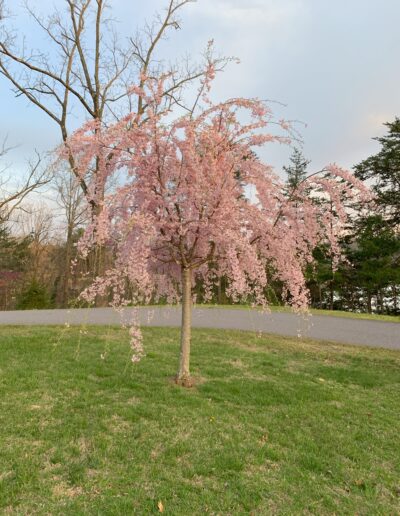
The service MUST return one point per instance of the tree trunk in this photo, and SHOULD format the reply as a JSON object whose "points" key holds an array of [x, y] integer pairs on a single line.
{"points": [[67, 268], [369, 303], [99, 265], [380, 300], [219, 291], [183, 377], [99, 268]]}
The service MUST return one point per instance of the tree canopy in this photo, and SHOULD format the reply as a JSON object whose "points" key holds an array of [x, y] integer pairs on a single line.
{"points": [[383, 169], [182, 214]]}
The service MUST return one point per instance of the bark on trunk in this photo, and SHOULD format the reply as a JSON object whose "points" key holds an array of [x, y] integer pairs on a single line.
{"points": [[369, 303], [67, 268], [219, 292], [183, 376], [380, 300], [331, 295], [99, 269]]}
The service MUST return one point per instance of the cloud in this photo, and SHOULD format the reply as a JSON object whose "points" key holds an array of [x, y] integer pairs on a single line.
{"points": [[251, 12]]}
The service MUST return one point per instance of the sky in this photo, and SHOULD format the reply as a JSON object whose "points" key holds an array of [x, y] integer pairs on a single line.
{"points": [[332, 65]]}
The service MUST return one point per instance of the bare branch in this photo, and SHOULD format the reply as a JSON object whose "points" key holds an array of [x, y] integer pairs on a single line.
{"points": [[12, 196]]}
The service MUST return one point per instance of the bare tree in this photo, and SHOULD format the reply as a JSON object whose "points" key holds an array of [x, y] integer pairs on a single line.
{"points": [[37, 223], [13, 193], [74, 212], [90, 77]]}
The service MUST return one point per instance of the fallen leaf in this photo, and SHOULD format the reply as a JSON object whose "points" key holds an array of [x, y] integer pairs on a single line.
{"points": [[360, 483]]}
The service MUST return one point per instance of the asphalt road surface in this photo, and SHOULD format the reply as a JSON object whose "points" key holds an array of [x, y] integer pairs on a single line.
{"points": [[378, 334]]}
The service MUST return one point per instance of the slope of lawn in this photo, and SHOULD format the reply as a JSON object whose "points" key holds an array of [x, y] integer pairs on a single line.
{"points": [[314, 311], [273, 426]]}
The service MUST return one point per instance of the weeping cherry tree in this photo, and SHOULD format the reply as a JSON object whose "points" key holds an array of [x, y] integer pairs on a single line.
{"points": [[197, 204]]}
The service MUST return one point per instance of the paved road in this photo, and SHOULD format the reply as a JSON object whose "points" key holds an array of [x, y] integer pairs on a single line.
{"points": [[348, 331]]}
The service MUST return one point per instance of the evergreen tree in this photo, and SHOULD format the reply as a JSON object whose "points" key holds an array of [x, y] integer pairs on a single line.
{"points": [[297, 170], [14, 256], [384, 169], [33, 296], [321, 279], [374, 255], [14, 252]]}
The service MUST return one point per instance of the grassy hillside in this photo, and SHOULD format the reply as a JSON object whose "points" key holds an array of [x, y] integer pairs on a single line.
{"points": [[273, 426]]}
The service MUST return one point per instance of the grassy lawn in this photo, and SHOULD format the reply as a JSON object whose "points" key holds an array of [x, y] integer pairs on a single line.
{"points": [[314, 311], [274, 425]]}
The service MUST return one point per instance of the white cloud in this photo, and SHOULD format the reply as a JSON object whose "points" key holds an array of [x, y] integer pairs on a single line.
{"points": [[271, 12]]}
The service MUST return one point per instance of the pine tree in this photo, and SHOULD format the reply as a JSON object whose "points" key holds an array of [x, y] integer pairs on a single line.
{"points": [[368, 280], [384, 169], [297, 170], [14, 256], [13, 251], [33, 296]]}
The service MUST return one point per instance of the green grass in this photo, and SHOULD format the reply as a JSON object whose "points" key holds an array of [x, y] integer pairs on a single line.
{"points": [[274, 425], [314, 311]]}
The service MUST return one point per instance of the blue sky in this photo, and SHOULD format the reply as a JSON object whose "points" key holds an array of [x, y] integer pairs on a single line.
{"points": [[332, 63]]}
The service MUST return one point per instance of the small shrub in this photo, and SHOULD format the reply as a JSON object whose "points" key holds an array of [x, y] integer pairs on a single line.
{"points": [[34, 295]]}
